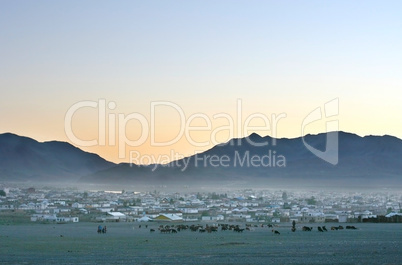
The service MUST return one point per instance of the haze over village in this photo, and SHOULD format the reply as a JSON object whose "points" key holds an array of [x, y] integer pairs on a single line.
{"points": [[58, 205]]}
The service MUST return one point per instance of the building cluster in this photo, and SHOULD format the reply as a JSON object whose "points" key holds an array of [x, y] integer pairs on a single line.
{"points": [[247, 205]]}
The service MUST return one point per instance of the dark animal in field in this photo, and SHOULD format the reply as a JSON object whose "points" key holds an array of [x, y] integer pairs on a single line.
{"points": [[350, 227], [320, 229], [202, 230], [212, 229], [151, 230], [293, 229], [340, 227], [276, 232], [324, 228], [194, 228], [306, 228], [164, 231], [334, 228], [182, 227], [269, 225], [174, 231], [238, 230]]}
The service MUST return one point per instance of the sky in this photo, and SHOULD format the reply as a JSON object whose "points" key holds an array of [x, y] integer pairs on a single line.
{"points": [[160, 79]]}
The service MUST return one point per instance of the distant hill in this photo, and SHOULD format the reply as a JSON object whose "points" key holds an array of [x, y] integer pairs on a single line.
{"points": [[363, 161], [369, 160], [24, 159]]}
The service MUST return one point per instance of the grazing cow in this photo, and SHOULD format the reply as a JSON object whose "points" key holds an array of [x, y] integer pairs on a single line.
{"points": [[151, 230], [174, 231], [334, 228], [276, 232], [320, 229], [306, 228], [324, 228], [351, 227], [293, 229]]}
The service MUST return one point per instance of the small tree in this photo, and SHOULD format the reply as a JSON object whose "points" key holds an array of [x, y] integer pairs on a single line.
{"points": [[311, 201], [284, 196]]}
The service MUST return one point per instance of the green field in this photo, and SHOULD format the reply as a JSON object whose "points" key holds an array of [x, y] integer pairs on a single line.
{"points": [[125, 243]]}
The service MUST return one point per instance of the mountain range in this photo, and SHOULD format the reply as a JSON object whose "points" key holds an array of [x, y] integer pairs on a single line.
{"points": [[362, 161], [25, 159]]}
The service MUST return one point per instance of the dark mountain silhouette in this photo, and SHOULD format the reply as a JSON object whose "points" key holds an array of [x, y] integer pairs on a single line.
{"points": [[363, 161], [369, 160], [22, 158]]}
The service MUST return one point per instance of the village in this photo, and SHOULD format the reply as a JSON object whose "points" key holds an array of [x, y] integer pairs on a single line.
{"points": [[47, 205]]}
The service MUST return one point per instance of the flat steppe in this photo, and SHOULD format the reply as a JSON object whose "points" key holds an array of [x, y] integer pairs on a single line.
{"points": [[126, 243]]}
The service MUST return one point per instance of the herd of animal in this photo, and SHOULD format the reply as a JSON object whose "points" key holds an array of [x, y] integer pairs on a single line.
{"points": [[324, 229], [168, 229]]}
